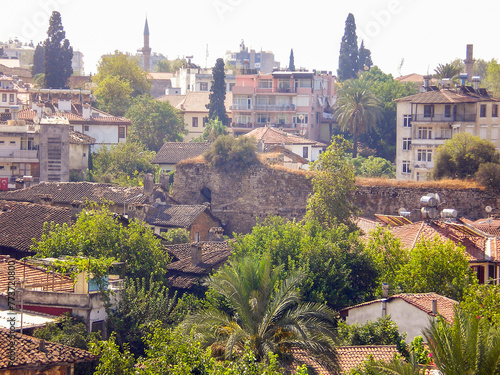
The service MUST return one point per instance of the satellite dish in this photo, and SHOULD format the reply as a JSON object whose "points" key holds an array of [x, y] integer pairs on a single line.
{"points": [[301, 117], [47, 111], [36, 120], [401, 210], [488, 209]]}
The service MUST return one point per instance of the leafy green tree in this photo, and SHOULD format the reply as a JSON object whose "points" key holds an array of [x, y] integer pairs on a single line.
{"points": [[333, 187], [397, 366], [98, 233], [461, 156], [213, 129], [356, 109], [176, 236], [470, 345], [348, 59], [338, 271], [216, 106], [373, 167], [483, 300], [124, 164], [266, 314], [154, 123], [364, 58], [38, 60], [291, 64], [488, 174], [111, 359], [113, 95], [170, 66], [39, 80], [492, 78], [58, 54], [232, 154], [449, 70]]}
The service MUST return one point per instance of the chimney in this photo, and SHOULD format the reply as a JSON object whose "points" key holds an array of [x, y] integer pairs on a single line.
{"points": [[86, 111], [45, 199], [385, 290], [196, 253], [14, 109], [216, 234], [76, 208], [148, 182], [469, 60], [41, 346], [434, 306], [165, 181]]}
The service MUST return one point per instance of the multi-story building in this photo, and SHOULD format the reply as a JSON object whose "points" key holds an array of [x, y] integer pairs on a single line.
{"points": [[426, 120], [16, 50], [295, 101], [262, 61], [194, 78], [8, 95]]}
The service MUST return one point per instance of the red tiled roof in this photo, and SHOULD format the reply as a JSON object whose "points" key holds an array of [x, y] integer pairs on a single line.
{"points": [[77, 118], [174, 152], [366, 225], [78, 138], [34, 353], [275, 136], [445, 97], [175, 215]]}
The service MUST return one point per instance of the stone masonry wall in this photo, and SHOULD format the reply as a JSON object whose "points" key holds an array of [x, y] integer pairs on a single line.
{"points": [[239, 199]]}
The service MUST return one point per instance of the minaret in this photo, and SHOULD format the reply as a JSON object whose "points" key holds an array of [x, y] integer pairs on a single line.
{"points": [[146, 51], [469, 62]]}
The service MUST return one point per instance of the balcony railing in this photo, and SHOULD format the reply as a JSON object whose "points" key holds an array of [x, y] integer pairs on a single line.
{"points": [[19, 154], [273, 107], [285, 89], [468, 117], [241, 107]]}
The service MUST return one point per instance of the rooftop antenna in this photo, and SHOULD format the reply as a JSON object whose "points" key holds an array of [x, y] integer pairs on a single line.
{"points": [[400, 66], [206, 58]]}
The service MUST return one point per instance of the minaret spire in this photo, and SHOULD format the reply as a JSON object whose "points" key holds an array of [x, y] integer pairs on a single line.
{"points": [[146, 50]]}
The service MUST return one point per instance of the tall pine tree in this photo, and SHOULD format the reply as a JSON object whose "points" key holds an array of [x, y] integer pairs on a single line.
{"points": [[291, 65], [58, 54], [348, 59], [38, 60], [216, 107], [364, 57]]}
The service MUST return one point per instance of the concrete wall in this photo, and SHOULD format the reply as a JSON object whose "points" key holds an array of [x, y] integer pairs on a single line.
{"points": [[239, 198]]}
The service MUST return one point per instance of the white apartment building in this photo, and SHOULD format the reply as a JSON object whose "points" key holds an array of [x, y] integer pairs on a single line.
{"points": [[426, 120]]}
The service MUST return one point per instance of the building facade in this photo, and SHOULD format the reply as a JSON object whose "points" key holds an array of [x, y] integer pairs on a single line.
{"points": [[426, 120], [262, 61], [294, 101]]}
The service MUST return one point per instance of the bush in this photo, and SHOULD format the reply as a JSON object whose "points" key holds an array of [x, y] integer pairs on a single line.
{"points": [[176, 236], [232, 154], [488, 175]]}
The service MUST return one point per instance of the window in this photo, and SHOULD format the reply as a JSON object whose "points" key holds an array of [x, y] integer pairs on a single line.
{"points": [[197, 237], [482, 110], [2, 142], [483, 131], [282, 119], [121, 131], [424, 132], [203, 86], [86, 128], [447, 110], [11, 98], [406, 166], [305, 152], [231, 85], [205, 120], [424, 155], [2, 167], [263, 100], [263, 118], [265, 83], [194, 122], [72, 128], [494, 132], [469, 129], [429, 110], [407, 121], [301, 119], [84, 154], [494, 110], [27, 143], [406, 144], [4, 97], [12, 142], [303, 83]]}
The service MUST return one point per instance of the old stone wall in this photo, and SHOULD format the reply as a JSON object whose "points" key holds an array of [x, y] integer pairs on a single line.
{"points": [[239, 199]]}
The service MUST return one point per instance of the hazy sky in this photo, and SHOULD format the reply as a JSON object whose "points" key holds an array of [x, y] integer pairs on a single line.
{"points": [[423, 32]]}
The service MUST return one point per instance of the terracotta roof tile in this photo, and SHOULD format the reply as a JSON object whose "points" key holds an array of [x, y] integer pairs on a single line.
{"points": [[29, 352], [445, 97], [366, 225], [78, 138], [193, 101], [20, 222], [175, 215], [174, 152], [275, 136]]}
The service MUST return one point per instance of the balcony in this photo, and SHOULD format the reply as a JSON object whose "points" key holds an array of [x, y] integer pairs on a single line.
{"points": [[240, 107], [248, 125], [468, 117], [273, 107], [284, 90], [19, 154]]}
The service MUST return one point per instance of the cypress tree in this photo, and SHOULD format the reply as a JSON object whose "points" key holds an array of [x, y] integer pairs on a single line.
{"points": [[216, 107], [58, 54], [291, 65], [348, 59], [364, 57], [38, 60]]}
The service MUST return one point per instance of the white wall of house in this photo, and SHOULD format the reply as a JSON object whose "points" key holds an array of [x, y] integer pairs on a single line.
{"points": [[78, 156]]}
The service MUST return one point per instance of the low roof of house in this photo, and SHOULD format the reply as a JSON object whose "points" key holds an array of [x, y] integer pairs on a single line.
{"points": [[183, 216], [67, 192], [31, 352], [182, 274], [193, 101], [20, 222], [174, 152], [422, 301], [468, 95], [76, 117], [31, 319], [275, 136], [160, 75], [78, 138]]}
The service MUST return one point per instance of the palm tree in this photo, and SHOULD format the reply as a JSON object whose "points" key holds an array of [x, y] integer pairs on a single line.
{"points": [[397, 366], [357, 108], [449, 70], [470, 346], [265, 314]]}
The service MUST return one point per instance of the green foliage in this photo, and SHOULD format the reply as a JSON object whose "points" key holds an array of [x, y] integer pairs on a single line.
{"points": [[141, 304], [461, 156], [383, 331], [488, 175], [98, 233], [348, 58], [113, 95], [291, 64], [176, 236], [337, 270], [470, 345], [213, 130], [397, 366], [123, 164], [382, 137], [38, 60], [154, 123], [373, 167], [58, 54], [483, 300], [492, 78], [216, 106], [356, 109], [449, 70], [422, 354], [266, 314], [170, 66], [111, 360], [364, 58], [333, 187], [232, 154], [68, 330]]}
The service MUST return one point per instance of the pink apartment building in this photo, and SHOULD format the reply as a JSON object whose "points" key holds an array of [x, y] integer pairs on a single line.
{"points": [[294, 101]]}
